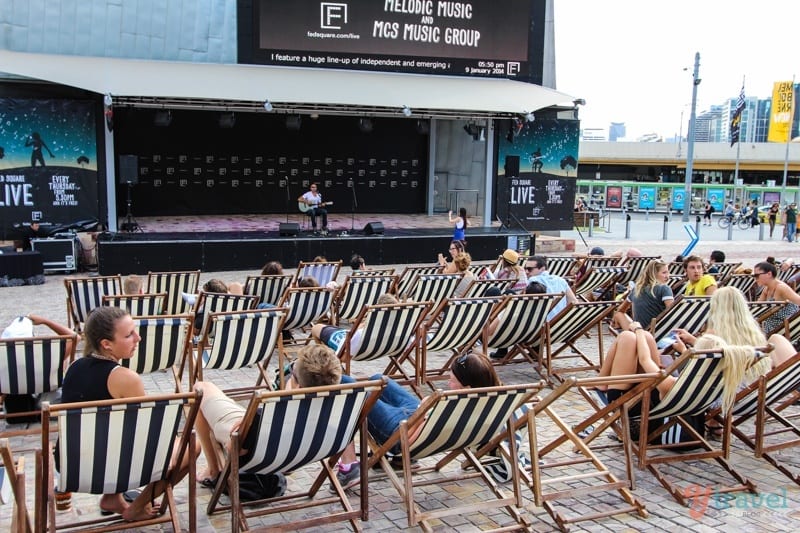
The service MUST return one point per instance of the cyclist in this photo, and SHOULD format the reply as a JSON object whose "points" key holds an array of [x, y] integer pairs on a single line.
{"points": [[728, 212]]}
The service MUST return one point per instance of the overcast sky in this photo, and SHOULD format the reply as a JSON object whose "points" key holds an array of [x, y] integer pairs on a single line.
{"points": [[626, 58]]}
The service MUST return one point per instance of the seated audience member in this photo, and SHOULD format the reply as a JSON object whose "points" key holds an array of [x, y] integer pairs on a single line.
{"points": [[396, 404], [717, 256], [272, 268], [462, 263], [456, 248], [626, 253], [699, 283], [775, 290], [220, 415], [132, 284], [32, 231], [650, 296], [579, 270], [110, 336], [333, 337], [216, 286], [510, 269], [357, 263], [320, 259], [534, 287], [536, 270]]}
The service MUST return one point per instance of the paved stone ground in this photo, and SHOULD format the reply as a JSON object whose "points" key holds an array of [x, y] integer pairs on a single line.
{"points": [[778, 507]]}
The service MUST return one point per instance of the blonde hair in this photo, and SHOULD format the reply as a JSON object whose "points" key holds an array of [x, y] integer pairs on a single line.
{"points": [[649, 277], [730, 318], [462, 261]]}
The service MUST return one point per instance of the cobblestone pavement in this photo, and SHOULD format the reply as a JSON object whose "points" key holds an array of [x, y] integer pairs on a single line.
{"points": [[777, 508]]}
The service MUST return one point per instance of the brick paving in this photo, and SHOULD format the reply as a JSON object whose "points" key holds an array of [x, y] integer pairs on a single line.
{"points": [[387, 513]]}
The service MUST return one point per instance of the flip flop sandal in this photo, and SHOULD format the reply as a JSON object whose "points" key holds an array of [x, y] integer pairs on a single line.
{"points": [[208, 482]]}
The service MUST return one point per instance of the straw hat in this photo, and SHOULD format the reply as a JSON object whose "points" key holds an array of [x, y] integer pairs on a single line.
{"points": [[510, 256]]}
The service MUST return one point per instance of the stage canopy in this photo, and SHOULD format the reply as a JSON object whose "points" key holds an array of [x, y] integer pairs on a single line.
{"points": [[212, 86]]}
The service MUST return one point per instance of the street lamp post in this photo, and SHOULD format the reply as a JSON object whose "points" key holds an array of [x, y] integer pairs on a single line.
{"points": [[687, 187]]}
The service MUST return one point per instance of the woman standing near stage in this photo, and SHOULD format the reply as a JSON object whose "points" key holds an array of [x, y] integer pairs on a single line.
{"points": [[459, 230]]}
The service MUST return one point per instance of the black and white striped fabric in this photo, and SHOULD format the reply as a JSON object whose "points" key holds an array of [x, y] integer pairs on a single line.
{"points": [[763, 310], [164, 342], [138, 304], [435, 287], [457, 323], [458, 419], [305, 305], [115, 448], [779, 384], [32, 365], [598, 279], [84, 294], [388, 330], [743, 282], [560, 266], [724, 270], [269, 289], [309, 425], [789, 273], [213, 302], [699, 385], [356, 292], [323, 272], [790, 328], [478, 287], [571, 322], [174, 284], [521, 318], [243, 338], [686, 312], [636, 266], [408, 278], [373, 272]]}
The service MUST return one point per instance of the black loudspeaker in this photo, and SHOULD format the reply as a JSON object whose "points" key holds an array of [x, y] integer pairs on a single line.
{"points": [[512, 166], [128, 169], [373, 228], [288, 229]]}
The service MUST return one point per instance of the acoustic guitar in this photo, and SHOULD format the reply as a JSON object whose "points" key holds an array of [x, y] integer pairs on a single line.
{"points": [[305, 208]]}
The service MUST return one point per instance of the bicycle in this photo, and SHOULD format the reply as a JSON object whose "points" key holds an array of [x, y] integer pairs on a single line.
{"points": [[743, 222]]}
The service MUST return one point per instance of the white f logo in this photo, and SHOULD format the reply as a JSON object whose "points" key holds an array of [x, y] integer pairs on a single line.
{"points": [[332, 15]]}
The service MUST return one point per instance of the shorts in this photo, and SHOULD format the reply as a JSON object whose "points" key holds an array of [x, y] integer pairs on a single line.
{"points": [[222, 415], [333, 337]]}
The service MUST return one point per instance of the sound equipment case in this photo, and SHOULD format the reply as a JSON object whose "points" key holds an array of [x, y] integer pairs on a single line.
{"points": [[58, 254]]}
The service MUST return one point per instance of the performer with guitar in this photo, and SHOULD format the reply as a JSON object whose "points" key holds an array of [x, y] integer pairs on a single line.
{"points": [[311, 203]]}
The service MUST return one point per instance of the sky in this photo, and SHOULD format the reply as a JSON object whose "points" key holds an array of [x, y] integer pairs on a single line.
{"points": [[632, 60]]}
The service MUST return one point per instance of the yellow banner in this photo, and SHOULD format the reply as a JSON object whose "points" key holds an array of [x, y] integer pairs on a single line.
{"points": [[780, 119]]}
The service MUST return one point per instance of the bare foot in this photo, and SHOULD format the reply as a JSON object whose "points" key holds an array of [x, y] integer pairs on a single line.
{"points": [[113, 503], [132, 514], [206, 474]]}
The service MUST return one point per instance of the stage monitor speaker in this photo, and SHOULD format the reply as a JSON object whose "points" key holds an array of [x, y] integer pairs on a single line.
{"points": [[288, 229], [512, 166], [128, 169], [373, 228]]}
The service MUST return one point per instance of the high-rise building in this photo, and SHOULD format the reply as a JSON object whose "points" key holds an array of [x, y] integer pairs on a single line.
{"points": [[616, 131]]}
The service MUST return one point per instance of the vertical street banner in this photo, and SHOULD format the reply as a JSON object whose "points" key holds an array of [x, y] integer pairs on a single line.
{"points": [[678, 199], [647, 198], [736, 119], [780, 119], [537, 167], [48, 162]]}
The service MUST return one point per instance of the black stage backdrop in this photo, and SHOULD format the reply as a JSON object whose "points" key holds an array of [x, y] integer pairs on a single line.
{"points": [[194, 166]]}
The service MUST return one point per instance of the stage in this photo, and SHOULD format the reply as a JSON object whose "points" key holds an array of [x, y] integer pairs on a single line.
{"points": [[244, 242]]}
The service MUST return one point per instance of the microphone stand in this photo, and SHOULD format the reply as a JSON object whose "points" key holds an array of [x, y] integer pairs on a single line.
{"points": [[288, 200], [354, 205]]}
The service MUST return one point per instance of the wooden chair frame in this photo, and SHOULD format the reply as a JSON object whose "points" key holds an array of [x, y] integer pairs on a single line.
{"points": [[15, 471], [521, 318], [147, 304]]}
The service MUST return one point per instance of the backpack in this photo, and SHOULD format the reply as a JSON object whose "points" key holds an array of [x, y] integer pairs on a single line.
{"points": [[253, 487]]}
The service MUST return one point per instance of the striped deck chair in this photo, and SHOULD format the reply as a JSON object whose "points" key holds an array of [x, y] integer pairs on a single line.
{"points": [[269, 289], [435, 287], [305, 305], [676, 269], [789, 329], [323, 272], [479, 268], [86, 293], [373, 272], [677, 283], [724, 271], [454, 423], [138, 304], [636, 266], [240, 339], [92, 437], [598, 279], [686, 312], [520, 318], [563, 331], [214, 302], [33, 365], [12, 474], [478, 287], [561, 265], [296, 428], [387, 331], [763, 310], [409, 277], [164, 345], [356, 292], [574, 477], [760, 403], [789, 273], [174, 284], [453, 326], [743, 282]]}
